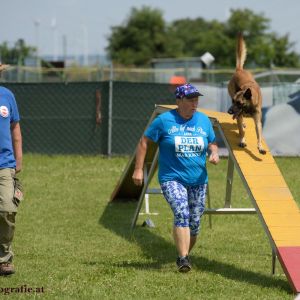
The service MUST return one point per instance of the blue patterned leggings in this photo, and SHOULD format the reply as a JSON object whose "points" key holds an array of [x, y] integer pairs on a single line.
{"points": [[187, 203]]}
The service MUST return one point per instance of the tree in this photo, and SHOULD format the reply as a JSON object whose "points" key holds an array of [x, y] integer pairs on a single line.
{"points": [[253, 26], [283, 56], [264, 49], [199, 36], [246, 21], [140, 39], [17, 53], [145, 35]]}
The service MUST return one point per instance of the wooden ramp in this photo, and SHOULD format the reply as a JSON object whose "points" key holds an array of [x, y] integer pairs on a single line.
{"points": [[268, 191]]}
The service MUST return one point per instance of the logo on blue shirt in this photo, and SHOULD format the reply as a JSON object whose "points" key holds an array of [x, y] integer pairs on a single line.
{"points": [[188, 146], [4, 112]]}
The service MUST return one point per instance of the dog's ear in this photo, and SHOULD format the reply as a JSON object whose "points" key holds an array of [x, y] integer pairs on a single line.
{"points": [[237, 95], [248, 94]]}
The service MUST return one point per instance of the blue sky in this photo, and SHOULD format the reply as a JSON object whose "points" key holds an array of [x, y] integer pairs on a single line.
{"points": [[85, 25]]}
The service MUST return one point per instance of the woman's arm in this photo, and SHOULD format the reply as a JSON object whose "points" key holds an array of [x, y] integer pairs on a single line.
{"points": [[214, 155], [141, 151]]}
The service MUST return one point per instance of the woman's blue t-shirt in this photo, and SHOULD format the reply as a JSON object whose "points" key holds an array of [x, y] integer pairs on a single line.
{"points": [[182, 146]]}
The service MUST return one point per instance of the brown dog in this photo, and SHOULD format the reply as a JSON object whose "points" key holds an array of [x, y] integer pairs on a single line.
{"points": [[246, 96]]}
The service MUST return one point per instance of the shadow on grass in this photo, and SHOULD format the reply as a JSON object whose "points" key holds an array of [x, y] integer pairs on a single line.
{"points": [[237, 274], [117, 218]]}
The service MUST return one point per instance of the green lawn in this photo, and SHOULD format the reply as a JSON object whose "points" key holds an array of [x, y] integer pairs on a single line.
{"points": [[73, 244]]}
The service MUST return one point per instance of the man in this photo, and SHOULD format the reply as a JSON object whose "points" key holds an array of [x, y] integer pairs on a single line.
{"points": [[10, 164]]}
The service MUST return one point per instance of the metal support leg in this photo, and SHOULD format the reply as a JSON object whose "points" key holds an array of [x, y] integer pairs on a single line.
{"points": [[142, 195], [273, 261], [230, 169], [147, 196], [147, 207], [209, 206], [148, 221]]}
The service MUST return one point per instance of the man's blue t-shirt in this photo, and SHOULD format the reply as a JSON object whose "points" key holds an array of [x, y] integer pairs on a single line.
{"points": [[8, 114], [182, 146]]}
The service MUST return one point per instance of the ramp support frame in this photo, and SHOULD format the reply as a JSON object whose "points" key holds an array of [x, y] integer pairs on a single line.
{"points": [[227, 209]]}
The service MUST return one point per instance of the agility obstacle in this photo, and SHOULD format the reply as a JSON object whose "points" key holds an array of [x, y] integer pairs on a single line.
{"points": [[271, 198]]}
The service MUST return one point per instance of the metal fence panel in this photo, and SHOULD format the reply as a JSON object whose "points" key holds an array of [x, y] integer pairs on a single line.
{"points": [[133, 104], [58, 118]]}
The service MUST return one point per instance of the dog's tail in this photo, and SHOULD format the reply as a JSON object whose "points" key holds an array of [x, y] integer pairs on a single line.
{"points": [[241, 52]]}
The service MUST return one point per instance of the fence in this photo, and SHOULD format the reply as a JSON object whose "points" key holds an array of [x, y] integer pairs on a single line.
{"points": [[216, 95], [61, 118], [150, 75], [81, 74], [58, 118]]}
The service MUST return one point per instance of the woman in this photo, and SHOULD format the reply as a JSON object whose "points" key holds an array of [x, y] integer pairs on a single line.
{"points": [[183, 136]]}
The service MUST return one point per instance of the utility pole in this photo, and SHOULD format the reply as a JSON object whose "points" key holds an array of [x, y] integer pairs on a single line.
{"points": [[37, 41], [54, 28]]}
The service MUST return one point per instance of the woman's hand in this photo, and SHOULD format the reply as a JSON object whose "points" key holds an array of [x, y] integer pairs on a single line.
{"points": [[214, 158], [138, 177]]}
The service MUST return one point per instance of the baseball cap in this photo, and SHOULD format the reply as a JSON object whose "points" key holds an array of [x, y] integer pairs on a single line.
{"points": [[186, 91]]}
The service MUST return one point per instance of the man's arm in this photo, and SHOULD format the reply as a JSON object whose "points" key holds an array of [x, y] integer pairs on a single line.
{"points": [[17, 144]]}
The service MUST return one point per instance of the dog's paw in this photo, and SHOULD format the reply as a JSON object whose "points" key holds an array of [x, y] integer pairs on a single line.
{"points": [[262, 151], [242, 145], [244, 125]]}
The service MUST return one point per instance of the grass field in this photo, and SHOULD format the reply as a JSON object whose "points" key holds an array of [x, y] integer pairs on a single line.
{"points": [[70, 243]]}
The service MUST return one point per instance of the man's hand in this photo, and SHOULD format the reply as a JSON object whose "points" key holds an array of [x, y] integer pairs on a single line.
{"points": [[138, 177], [18, 165]]}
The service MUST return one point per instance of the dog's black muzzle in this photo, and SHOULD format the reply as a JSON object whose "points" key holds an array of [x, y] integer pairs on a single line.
{"points": [[235, 109]]}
